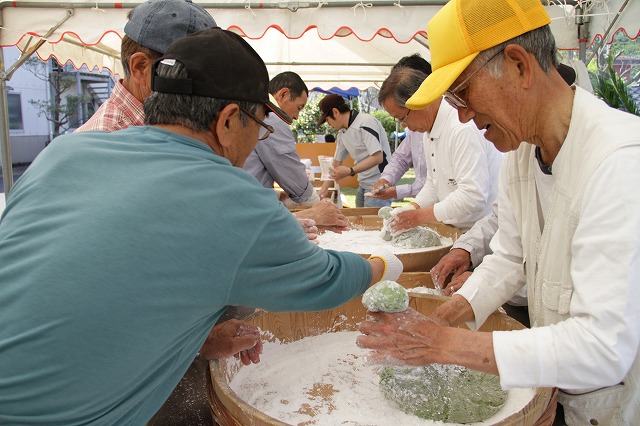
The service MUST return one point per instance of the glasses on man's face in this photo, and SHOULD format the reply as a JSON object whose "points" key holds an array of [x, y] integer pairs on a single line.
{"points": [[403, 120], [450, 95], [267, 129]]}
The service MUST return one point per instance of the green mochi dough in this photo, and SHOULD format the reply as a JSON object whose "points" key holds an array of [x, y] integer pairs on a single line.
{"points": [[385, 212], [418, 237], [447, 393], [386, 296]]}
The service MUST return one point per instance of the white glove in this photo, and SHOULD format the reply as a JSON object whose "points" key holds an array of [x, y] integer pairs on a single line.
{"points": [[392, 265]]}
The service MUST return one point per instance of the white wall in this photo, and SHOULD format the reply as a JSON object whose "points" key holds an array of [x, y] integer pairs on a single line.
{"points": [[26, 143]]}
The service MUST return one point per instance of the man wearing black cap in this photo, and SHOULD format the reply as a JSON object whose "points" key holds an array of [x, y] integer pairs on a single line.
{"points": [[119, 251], [362, 137], [151, 28]]}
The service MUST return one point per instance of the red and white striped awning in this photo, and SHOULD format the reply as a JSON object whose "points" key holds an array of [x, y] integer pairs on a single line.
{"points": [[329, 43]]}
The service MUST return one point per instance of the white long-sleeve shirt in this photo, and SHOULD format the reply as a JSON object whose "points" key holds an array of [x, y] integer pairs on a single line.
{"points": [[605, 270], [477, 239], [463, 169]]}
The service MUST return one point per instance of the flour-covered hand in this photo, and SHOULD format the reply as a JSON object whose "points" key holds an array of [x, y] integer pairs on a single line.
{"points": [[233, 338], [403, 218], [457, 261], [309, 227], [405, 338]]}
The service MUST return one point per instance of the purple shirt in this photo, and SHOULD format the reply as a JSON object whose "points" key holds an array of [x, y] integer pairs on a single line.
{"points": [[409, 153]]}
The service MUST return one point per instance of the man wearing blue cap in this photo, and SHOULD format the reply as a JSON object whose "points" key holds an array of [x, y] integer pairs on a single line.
{"points": [[568, 220], [119, 251], [151, 28]]}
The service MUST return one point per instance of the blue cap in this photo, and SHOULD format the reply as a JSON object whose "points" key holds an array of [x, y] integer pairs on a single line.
{"points": [[158, 23]]}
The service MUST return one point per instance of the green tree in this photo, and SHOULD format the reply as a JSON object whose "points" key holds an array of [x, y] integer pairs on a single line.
{"points": [[387, 121], [62, 107], [305, 128]]}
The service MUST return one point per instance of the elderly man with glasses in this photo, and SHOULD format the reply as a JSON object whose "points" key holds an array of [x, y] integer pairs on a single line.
{"points": [[409, 154], [568, 221], [119, 251], [462, 166]]}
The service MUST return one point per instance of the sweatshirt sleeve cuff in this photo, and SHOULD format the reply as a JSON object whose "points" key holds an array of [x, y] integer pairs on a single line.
{"points": [[439, 211], [402, 191], [524, 359]]}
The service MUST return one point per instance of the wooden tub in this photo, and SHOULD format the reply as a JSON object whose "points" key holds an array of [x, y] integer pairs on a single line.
{"points": [[230, 410]]}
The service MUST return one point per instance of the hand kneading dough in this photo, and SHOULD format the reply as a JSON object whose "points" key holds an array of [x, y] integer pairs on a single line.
{"points": [[386, 296]]}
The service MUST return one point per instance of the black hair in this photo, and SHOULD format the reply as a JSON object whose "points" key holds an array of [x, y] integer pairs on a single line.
{"points": [[415, 62], [291, 81]]}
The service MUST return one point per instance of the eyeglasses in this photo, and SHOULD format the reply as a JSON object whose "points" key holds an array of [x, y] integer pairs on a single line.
{"points": [[267, 129], [403, 120], [455, 100]]}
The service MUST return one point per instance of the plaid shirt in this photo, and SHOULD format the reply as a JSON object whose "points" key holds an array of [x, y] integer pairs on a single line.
{"points": [[120, 111]]}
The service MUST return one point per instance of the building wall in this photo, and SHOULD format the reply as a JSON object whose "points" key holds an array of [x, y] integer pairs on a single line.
{"points": [[28, 133]]}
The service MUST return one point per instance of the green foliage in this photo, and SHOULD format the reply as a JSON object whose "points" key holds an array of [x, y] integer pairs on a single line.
{"points": [[612, 88], [387, 121], [59, 114], [626, 45], [305, 128], [62, 108]]}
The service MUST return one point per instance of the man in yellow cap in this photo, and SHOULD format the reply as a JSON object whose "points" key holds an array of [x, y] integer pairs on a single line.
{"points": [[569, 225]]}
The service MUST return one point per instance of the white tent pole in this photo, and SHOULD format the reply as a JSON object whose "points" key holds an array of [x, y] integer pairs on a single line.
{"points": [[583, 33], [5, 145], [30, 51], [7, 167]]}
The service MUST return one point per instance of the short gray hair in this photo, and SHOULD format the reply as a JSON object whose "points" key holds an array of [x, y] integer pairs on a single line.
{"points": [[195, 112], [401, 84], [540, 42]]}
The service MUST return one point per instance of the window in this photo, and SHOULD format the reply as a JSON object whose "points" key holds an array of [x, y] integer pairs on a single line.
{"points": [[15, 111]]}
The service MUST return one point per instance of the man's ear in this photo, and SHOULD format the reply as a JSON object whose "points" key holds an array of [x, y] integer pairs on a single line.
{"points": [[141, 66], [227, 124], [521, 62], [282, 94]]}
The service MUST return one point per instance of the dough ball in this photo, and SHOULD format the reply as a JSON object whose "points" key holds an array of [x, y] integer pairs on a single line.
{"points": [[386, 296]]}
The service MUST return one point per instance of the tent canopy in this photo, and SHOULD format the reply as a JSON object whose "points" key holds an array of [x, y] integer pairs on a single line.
{"points": [[329, 43], [345, 44]]}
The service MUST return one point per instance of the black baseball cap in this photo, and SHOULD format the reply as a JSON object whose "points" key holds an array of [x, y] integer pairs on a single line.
{"points": [[327, 104], [220, 64]]}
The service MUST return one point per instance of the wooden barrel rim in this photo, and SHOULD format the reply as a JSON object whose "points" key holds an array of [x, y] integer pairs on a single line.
{"points": [[539, 411]]}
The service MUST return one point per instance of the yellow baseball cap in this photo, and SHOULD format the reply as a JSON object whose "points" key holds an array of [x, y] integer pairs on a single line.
{"points": [[464, 28]]}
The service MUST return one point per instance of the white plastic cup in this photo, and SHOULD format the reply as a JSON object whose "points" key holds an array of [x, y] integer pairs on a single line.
{"points": [[326, 165]]}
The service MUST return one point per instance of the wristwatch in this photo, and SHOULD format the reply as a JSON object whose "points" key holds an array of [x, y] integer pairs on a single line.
{"points": [[353, 173]]}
